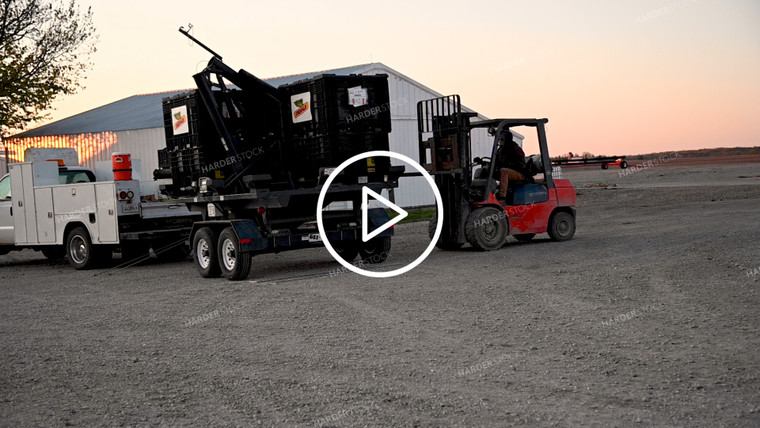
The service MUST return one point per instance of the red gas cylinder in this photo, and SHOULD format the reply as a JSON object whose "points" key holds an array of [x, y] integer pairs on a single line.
{"points": [[122, 166]]}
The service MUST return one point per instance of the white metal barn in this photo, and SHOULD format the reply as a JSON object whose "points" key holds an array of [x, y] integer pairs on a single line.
{"points": [[135, 125]]}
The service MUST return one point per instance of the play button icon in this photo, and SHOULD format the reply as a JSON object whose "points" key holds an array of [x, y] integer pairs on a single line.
{"points": [[366, 235], [366, 193]]}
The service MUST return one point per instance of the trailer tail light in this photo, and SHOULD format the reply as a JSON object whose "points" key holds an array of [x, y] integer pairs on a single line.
{"points": [[245, 241]]}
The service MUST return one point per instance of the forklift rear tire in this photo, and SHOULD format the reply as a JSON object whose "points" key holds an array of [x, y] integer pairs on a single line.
{"points": [[204, 253], [347, 250], [446, 246], [525, 237], [605, 166], [623, 165], [235, 265], [561, 226], [486, 229], [81, 253], [376, 250]]}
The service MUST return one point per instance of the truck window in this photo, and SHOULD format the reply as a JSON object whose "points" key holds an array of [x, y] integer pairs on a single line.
{"points": [[68, 177], [5, 188]]}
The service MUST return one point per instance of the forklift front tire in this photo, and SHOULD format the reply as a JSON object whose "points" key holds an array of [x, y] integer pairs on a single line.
{"points": [[235, 265], [561, 226], [486, 228], [204, 253], [446, 246]]}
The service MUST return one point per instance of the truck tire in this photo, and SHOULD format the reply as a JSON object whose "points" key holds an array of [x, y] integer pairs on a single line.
{"points": [[204, 253], [376, 250], [347, 250], [486, 228], [54, 252], [561, 226], [234, 264], [446, 246], [80, 251]]}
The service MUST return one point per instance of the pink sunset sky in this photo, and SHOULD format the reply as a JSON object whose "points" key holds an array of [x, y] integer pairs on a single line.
{"points": [[613, 77]]}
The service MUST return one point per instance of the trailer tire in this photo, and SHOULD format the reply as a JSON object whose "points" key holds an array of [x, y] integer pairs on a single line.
{"points": [[487, 229], [234, 264], [561, 226], [204, 253], [347, 250], [376, 250], [446, 246], [80, 251]]}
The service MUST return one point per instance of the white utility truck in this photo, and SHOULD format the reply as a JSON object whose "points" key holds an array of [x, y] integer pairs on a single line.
{"points": [[50, 204]]}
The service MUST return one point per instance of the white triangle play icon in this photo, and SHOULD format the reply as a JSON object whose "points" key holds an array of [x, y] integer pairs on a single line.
{"points": [[402, 214]]}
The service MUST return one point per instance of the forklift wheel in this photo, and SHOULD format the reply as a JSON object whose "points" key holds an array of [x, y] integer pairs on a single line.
{"points": [[234, 264], [605, 166], [375, 250], [561, 226], [204, 253], [448, 246], [623, 165], [347, 250], [525, 237], [487, 229]]}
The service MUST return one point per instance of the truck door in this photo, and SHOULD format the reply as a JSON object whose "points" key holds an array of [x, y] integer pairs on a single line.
{"points": [[6, 220]]}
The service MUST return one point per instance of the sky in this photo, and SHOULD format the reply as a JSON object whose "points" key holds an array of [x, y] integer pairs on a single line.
{"points": [[612, 76]]}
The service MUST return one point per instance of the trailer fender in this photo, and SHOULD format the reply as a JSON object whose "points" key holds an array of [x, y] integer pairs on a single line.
{"points": [[246, 231], [378, 217]]}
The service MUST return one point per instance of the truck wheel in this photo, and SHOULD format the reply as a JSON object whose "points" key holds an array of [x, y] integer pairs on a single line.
{"points": [[54, 252], [347, 250], [234, 264], [204, 253], [80, 251], [486, 228], [448, 246], [525, 237], [561, 226], [376, 250]]}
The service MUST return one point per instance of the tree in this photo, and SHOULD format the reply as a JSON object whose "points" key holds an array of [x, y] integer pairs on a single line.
{"points": [[45, 49]]}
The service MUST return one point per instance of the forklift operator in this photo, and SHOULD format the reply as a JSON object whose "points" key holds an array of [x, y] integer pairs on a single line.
{"points": [[510, 162]]}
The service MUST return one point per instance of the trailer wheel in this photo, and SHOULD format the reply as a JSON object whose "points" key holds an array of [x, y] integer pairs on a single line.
{"points": [[376, 250], [561, 226], [80, 251], [234, 264], [204, 253], [486, 228], [347, 250], [525, 237], [54, 252], [448, 246]]}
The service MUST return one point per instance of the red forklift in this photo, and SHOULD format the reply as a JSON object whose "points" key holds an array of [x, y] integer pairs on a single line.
{"points": [[472, 213]]}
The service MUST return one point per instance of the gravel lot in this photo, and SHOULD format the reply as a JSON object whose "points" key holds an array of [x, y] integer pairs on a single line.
{"points": [[648, 317]]}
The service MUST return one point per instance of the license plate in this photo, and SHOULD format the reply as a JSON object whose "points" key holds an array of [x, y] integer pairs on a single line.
{"points": [[315, 237], [130, 208]]}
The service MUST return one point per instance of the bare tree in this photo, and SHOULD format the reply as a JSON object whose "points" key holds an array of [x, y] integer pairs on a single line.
{"points": [[45, 50]]}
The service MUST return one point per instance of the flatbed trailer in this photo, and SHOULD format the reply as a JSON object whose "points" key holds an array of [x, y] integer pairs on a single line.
{"points": [[604, 161]]}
